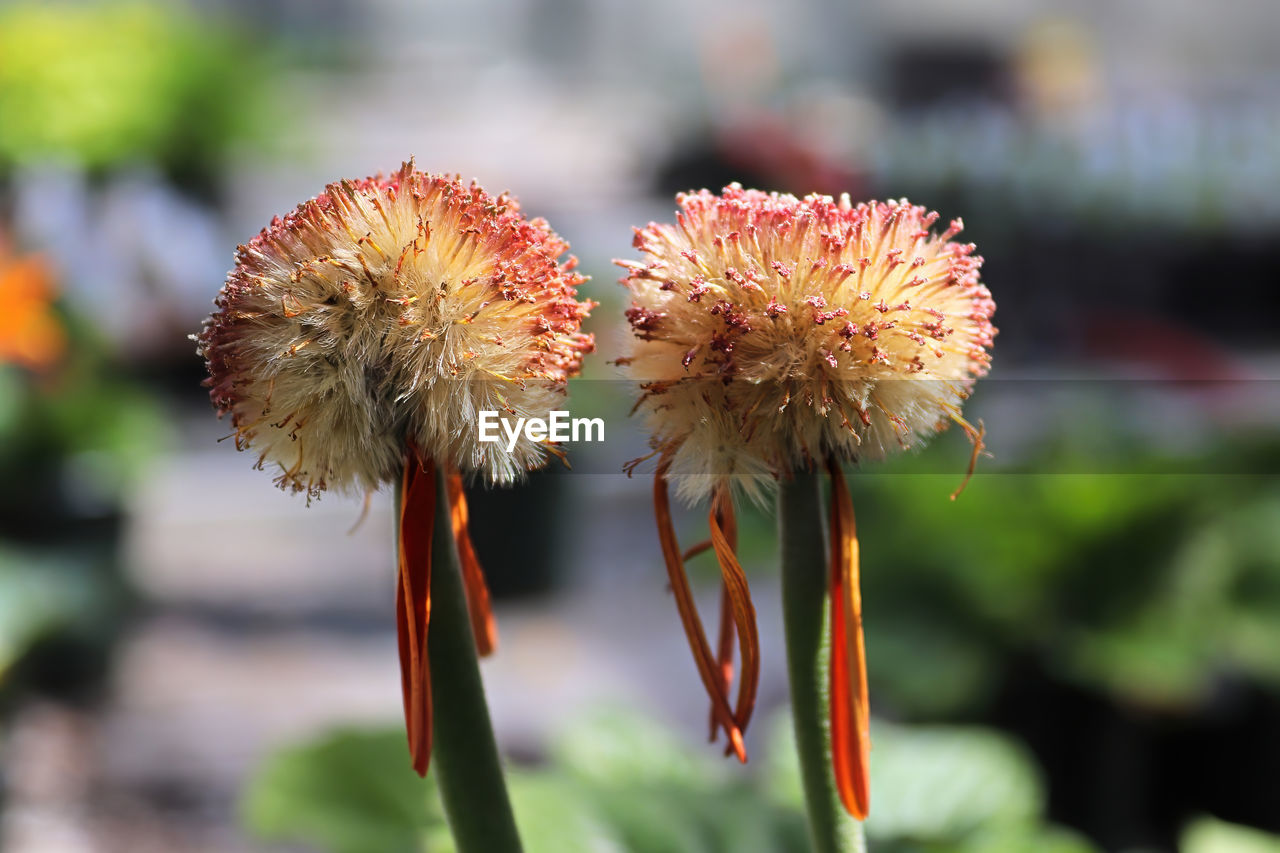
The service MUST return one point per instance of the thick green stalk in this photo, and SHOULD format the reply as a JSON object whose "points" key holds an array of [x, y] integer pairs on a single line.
{"points": [[806, 621], [464, 755]]}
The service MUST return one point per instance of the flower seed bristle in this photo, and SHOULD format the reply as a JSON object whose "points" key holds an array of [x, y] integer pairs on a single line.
{"points": [[388, 312], [772, 331]]}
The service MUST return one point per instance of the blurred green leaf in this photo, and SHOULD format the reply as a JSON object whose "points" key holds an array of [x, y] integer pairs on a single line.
{"points": [[1144, 586], [653, 820], [931, 783], [661, 794], [38, 595], [87, 427], [934, 667], [624, 749], [100, 83], [1216, 606], [351, 792], [619, 782], [12, 391], [940, 782], [554, 816], [1027, 837], [1207, 835]]}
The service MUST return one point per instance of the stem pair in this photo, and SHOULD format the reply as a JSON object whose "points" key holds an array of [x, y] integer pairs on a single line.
{"points": [[825, 655]]}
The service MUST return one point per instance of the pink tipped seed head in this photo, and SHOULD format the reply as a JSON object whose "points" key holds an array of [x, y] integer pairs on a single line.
{"points": [[771, 331], [387, 311]]}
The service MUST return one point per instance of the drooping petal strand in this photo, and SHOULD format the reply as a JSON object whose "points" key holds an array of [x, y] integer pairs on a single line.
{"points": [[702, 655], [413, 602], [850, 709], [482, 622], [737, 596]]}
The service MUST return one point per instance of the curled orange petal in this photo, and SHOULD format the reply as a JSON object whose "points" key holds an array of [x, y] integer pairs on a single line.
{"points": [[850, 708], [975, 436], [702, 655], [736, 605], [481, 612], [724, 642], [413, 602], [724, 649]]}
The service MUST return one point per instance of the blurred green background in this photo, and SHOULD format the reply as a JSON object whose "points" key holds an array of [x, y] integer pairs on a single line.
{"points": [[1080, 653]]}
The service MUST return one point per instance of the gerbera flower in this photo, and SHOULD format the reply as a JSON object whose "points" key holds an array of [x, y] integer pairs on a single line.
{"points": [[776, 334], [356, 341]]}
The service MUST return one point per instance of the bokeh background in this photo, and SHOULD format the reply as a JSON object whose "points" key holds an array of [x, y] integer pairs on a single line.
{"points": [[1081, 653]]}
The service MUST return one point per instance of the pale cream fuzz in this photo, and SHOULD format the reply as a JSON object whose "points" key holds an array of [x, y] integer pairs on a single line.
{"points": [[771, 331], [391, 311]]}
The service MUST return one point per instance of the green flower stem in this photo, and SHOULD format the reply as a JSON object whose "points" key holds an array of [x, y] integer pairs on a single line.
{"points": [[806, 620], [464, 754]]}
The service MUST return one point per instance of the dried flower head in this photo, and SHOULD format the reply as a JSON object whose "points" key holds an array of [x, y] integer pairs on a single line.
{"points": [[772, 332], [775, 334], [388, 312], [357, 340]]}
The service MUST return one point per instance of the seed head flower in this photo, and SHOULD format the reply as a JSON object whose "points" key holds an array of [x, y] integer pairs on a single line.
{"points": [[357, 340], [773, 334], [771, 331], [391, 311]]}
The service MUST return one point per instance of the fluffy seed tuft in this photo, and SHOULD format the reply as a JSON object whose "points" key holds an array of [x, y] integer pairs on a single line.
{"points": [[390, 311], [772, 331]]}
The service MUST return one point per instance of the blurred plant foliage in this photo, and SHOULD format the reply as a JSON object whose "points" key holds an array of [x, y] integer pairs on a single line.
{"points": [[1208, 835], [104, 82], [76, 436], [617, 781], [1146, 586], [73, 435], [39, 596]]}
